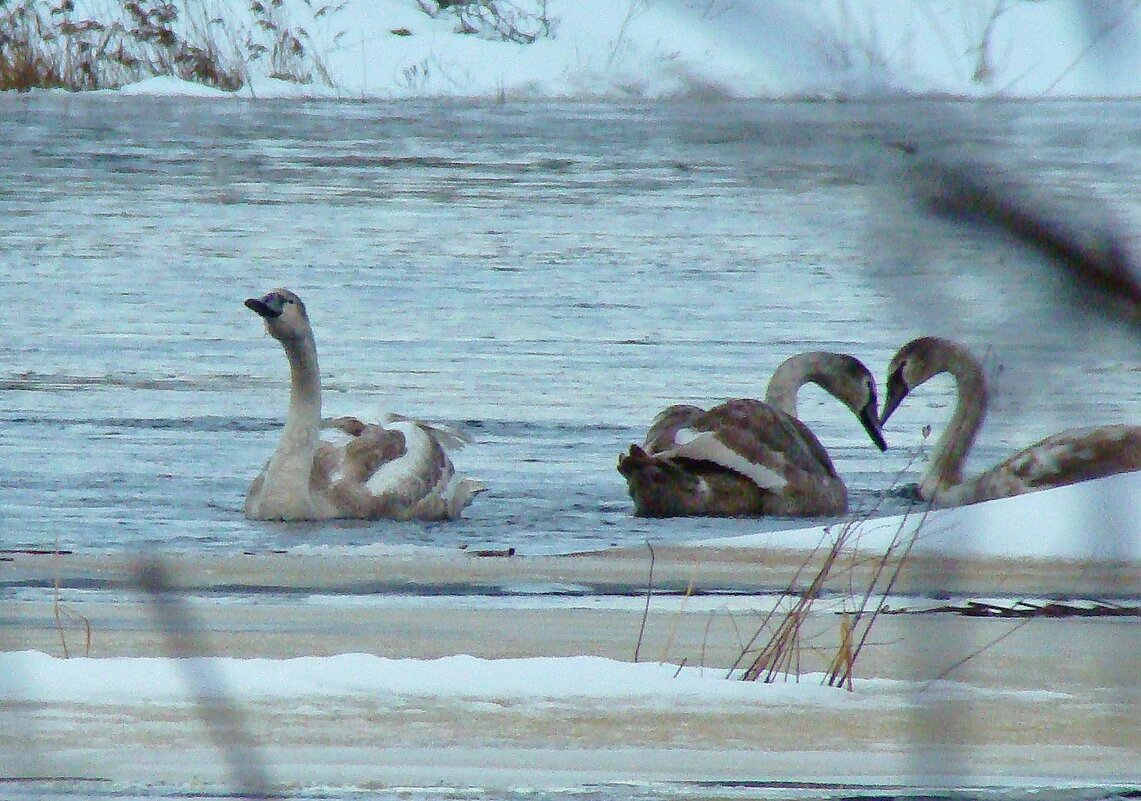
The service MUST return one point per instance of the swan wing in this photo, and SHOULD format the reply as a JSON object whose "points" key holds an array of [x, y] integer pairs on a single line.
{"points": [[765, 434], [749, 437], [400, 470], [347, 426], [818, 454], [743, 457], [723, 448]]}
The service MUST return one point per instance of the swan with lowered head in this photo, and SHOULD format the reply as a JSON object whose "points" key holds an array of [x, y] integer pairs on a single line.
{"points": [[746, 457], [369, 471], [1074, 455]]}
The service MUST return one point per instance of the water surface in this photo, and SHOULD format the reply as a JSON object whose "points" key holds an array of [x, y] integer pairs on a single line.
{"points": [[545, 276]]}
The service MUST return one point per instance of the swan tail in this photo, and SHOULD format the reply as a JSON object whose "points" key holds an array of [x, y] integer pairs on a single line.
{"points": [[461, 493], [660, 487]]}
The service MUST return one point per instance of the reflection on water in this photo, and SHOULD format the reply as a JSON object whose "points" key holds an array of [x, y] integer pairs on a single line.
{"points": [[547, 277]]}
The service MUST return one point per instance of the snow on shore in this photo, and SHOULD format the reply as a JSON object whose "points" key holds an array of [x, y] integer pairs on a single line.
{"points": [[769, 49], [539, 681], [1094, 520]]}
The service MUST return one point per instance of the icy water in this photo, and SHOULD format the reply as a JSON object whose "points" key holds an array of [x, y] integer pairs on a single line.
{"points": [[547, 277], [679, 791]]}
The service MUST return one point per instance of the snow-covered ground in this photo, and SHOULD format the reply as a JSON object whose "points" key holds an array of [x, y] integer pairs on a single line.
{"points": [[536, 682], [632, 49], [1049, 708], [1092, 521]]}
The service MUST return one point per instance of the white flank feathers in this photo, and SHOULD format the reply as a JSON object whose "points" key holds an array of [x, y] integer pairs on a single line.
{"points": [[705, 446]]}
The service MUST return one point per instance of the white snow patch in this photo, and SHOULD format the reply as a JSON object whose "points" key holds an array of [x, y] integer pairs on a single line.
{"points": [[31, 676], [1096, 520], [777, 49]]}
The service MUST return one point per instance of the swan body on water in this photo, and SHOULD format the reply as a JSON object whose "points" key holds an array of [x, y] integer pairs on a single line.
{"points": [[1074, 455], [748, 457], [344, 468]]}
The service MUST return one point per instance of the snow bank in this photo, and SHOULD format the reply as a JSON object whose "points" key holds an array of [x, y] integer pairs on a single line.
{"points": [[540, 681], [1094, 520], [391, 49]]}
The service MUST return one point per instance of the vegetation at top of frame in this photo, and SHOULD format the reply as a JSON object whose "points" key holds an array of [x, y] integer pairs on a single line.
{"points": [[57, 45], [54, 45], [498, 20]]}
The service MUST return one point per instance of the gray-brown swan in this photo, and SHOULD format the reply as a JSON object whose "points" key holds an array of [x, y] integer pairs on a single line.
{"points": [[747, 457], [366, 470], [1074, 455]]}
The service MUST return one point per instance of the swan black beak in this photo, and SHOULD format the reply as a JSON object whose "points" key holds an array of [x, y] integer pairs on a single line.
{"points": [[871, 424], [897, 390], [262, 308]]}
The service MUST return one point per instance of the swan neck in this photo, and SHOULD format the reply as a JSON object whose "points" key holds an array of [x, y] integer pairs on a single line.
{"points": [[285, 490], [786, 382], [304, 419], [794, 373], [950, 453]]}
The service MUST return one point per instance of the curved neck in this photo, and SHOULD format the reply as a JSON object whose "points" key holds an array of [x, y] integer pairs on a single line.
{"points": [[792, 374], [950, 452]]}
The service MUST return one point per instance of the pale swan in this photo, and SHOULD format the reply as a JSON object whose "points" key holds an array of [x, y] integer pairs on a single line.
{"points": [[1075, 455], [399, 471], [747, 457]]}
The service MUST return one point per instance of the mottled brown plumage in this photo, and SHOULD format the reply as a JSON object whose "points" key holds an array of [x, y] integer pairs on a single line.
{"points": [[748, 457]]}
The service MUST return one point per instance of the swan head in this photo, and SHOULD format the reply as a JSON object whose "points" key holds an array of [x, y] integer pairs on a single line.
{"points": [[283, 313], [853, 383], [914, 363]]}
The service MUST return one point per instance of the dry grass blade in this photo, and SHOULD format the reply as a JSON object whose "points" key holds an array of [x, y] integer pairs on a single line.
{"points": [[646, 610], [747, 648], [896, 556], [842, 662], [59, 612], [781, 652], [947, 672], [677, 619], [778, 652]]}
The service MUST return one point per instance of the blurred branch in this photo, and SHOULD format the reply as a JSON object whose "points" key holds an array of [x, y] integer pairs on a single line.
{"points": [[224, 720], [1094, 259]]}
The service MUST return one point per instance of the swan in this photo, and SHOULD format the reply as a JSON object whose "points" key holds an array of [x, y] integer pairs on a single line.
{"points": [[747, 457], [365, 470], [1074, 455]]}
